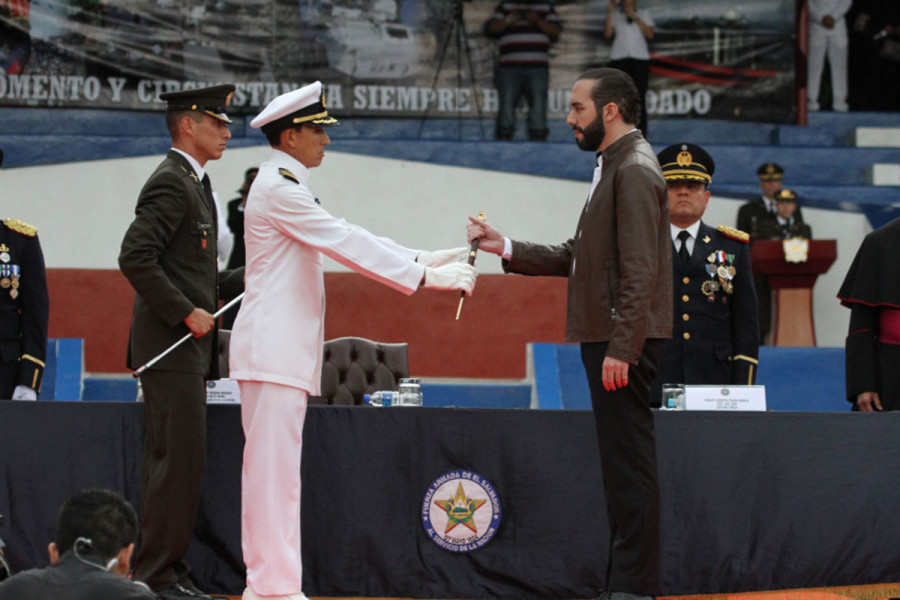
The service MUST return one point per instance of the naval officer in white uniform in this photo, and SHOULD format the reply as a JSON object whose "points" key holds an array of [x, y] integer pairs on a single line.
{"points": [[277, 341]]}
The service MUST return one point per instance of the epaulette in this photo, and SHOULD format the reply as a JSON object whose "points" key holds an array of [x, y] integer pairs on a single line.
{"points": [[21, 227], [288, 175], [735, 234]]}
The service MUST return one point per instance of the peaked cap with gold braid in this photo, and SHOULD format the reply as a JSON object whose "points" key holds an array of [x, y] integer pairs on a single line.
{"points": [[212, 100], [686, 162], [304, 106]]}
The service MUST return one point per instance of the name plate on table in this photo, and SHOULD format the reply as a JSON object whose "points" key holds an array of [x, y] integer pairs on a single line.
{"points": [[223, 391], [718, 397]]}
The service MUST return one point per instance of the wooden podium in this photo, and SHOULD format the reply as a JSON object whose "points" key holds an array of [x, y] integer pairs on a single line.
{"points": [[792, 284]]}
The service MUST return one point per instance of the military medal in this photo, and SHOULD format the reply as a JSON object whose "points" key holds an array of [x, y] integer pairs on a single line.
{"points": [[14, 280], [4, 283]]}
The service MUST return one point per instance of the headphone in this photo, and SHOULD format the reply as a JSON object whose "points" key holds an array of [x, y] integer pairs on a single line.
{"points": [[85, 544]]}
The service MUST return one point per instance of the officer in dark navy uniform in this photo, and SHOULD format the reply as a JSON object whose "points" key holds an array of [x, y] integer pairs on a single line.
{"points": [[24, 310], [758, 218], [786, 224], [715, 337]]}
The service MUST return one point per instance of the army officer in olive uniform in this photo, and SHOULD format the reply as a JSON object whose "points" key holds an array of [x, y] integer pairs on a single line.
{"points": [[715, 337], [24, 310], [169, 256]]}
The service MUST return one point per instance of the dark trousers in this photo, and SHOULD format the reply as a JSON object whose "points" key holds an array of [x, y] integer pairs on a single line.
{"points": [[625, 433], [9, 378], [172, 474]]}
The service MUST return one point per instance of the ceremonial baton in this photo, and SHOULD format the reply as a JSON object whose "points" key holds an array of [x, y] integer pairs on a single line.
{"points": [[153, 361], [473, 251]]}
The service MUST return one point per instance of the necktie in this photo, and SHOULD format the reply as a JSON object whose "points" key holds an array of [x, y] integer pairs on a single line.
{"points": [[207, 187], [683, 253]]}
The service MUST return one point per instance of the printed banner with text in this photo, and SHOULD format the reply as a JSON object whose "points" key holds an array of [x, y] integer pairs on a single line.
{"points": [[399, 58]]}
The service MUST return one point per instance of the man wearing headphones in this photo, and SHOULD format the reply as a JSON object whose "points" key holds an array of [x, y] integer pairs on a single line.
{"points": [[91, 556]]}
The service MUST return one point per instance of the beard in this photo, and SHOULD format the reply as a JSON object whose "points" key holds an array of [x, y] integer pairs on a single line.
{"points": [[593, 135]]}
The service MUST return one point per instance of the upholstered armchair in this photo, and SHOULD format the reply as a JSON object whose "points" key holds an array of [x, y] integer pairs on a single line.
{"points": [[352, 367]]}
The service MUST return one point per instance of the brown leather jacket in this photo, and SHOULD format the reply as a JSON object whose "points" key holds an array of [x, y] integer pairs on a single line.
{"points": [[619, 263]]}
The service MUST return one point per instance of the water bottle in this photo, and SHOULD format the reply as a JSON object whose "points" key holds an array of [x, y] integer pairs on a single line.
{"points": [[381, 398], [672, 396], [410, 392]]}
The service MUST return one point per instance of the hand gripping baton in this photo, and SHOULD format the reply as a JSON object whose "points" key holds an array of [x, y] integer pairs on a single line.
{"points": [[153, 361]]}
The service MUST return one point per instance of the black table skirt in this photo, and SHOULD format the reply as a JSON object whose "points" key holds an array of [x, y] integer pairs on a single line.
{"points": [[751, 501]]}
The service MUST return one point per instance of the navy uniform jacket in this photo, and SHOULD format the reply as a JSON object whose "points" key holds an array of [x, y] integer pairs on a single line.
{"points": [[715, 335], [754, 215], [169, 256], [773, 230], [24, 307]]}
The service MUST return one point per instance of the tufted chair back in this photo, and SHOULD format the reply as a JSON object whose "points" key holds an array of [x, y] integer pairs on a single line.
{"points": [[354, 366], [351, 367]]}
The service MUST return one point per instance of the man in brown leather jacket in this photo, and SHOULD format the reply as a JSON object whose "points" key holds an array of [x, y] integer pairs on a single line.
{"points": [[619, 266]]}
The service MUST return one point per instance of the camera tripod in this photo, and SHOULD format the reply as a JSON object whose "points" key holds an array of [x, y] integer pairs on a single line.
{"points": [[456, 29]]}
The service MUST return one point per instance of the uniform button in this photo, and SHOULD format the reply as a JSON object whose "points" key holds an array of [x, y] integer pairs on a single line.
{"points": [[686, 280], [685, 298], [687, 335], [685, 317]]}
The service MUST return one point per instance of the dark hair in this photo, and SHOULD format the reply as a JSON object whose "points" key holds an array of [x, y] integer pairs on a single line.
{"points": [[101, 516], [173, 118], [273, 135], [617, 87]]}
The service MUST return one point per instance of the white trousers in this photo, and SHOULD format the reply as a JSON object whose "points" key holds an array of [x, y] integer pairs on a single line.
{"points": [[835, 43], [273, 417]]}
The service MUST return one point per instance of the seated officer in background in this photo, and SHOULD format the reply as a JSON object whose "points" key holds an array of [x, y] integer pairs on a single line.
{"points": [[786, 224], [755, 217], [90, 558], [715, 335], [24, 310], [753, 214]]}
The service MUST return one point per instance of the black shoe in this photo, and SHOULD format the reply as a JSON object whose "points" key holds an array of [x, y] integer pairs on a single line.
{"points": [[180, 592]]}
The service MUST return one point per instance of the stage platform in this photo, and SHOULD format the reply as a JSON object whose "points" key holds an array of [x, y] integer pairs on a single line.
{"points": [[863, 592], [751, 501]]}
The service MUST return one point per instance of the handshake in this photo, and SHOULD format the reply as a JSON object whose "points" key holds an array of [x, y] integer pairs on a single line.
{"points": [[448, 270]]}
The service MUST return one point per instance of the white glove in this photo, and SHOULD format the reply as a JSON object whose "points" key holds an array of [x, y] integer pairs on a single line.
{"points": [[455, 276], [23, 392], [439, 258]]}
